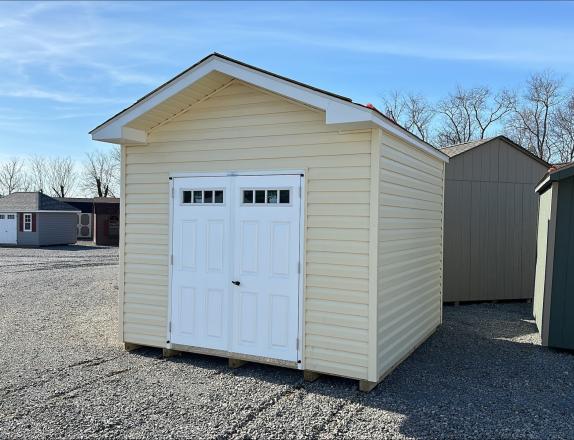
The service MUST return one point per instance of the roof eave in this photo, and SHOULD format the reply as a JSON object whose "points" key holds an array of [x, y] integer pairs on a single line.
{"points": [[338, 110]]}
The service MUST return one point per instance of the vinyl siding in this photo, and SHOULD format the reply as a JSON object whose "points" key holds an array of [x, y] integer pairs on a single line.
{"points": [[490, 223], [244, 128], [409, 251]]}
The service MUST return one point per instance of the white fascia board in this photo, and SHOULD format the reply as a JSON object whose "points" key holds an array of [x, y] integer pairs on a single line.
{"points": [[407, 137], [337, 111], [542, 184]]}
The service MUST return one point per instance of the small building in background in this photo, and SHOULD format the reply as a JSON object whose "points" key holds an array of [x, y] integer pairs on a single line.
{"points": [[98, 219], [107, 221], [490, 220], [35, 219], [554, 286]]}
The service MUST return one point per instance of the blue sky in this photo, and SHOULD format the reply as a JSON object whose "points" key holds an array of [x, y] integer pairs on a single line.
{"points": [[66, 67]]}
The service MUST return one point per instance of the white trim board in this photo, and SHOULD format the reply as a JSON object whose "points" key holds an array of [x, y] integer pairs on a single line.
{"points": [[337, 110]]}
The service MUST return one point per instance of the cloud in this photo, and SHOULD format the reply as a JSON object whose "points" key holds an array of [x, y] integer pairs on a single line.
{"points": [[16, 91]]}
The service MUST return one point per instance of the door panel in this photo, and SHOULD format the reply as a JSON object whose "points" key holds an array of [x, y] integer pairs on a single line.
{"points": [[266, 265], [200, 270]]}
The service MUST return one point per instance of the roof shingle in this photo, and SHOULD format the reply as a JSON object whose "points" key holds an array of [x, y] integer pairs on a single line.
{"points": [[32, 201]]}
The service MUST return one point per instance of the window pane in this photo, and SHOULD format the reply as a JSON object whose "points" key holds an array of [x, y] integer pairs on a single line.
{"points": [[260, 196], [207, 196], [218, 196], [186, 197], [284, 196], [1, 216], [272, 196], [197, 196], [11, 216], [247, 196]]}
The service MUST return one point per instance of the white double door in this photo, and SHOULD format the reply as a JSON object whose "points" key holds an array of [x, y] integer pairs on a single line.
{"points": [[235, 270]]}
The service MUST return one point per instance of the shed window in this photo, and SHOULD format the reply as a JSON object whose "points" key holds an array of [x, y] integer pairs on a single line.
{"points": [[202, 197], [10, 217], [27, 222], [266, 196], [1, 216]]}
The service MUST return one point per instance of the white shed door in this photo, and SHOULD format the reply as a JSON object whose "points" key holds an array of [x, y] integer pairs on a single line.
{"points": [[8, 228], [235, 273]]}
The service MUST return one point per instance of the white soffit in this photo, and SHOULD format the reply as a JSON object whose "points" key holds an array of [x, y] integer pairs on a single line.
{"points": [[131, 125]]}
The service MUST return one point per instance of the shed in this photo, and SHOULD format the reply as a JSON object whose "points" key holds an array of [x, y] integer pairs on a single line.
{"points": [[266, 220], [107, 221], [98, 219], [490, 220], [554, 287], [85, 205], [35, 219]]}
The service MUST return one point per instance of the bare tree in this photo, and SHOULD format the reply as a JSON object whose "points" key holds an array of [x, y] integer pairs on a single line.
{"points": [[489, 108], [533, 112], [12, 176], [61, 176], [394, 103], [412, 111], [562, 130], [100, 174], [38, 174], [469, 114]]}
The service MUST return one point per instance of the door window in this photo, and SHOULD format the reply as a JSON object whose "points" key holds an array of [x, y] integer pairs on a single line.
{"points": [[272, 197], [202, 197]]}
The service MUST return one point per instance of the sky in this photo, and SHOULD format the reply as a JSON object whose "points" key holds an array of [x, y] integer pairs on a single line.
{"points": [[65, 67]]}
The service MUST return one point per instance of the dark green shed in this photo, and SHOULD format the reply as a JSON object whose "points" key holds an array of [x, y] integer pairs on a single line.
{"points": [[554, 286]]}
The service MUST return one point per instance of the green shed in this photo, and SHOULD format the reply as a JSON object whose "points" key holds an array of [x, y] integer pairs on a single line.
{"points": [[554, 285]]}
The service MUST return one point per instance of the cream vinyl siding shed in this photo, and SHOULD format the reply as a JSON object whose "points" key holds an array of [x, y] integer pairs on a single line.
{"points": [[371, 209]]}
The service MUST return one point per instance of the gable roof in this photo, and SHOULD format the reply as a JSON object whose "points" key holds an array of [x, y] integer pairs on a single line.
{"points": [[130, 126], [32, 202], [456, 149], [555, 174]]}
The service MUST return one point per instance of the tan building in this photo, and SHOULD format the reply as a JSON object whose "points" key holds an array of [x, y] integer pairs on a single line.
{"points": [[491, 211], [266, 220]]}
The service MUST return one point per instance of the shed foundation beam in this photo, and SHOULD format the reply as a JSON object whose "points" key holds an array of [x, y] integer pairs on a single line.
{"points": [[236, 363], [310, 376], [128, 346], [366, 386], [167, 353]]}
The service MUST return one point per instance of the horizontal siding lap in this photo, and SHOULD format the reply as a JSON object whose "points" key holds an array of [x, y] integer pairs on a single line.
{"points": [[410, 250]]}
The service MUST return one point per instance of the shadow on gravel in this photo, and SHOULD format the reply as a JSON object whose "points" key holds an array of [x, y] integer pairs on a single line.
{"points": [[482, 374]]}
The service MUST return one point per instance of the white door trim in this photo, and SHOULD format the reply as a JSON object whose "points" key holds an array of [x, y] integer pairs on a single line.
{"points": [[302, 229]]}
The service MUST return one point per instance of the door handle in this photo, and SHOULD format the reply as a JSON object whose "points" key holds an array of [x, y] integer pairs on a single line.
{"points": [[237, 283]]}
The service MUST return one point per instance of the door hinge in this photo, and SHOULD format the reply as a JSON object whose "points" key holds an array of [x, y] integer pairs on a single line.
{"points": [[170, 326], [172, 193], [299, 267], [171, 259], [297, 344], [299, 192]]}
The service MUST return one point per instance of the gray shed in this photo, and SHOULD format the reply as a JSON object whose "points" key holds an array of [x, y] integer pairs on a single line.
{"points": [[490, 220], [35, 219], [554, 287]]}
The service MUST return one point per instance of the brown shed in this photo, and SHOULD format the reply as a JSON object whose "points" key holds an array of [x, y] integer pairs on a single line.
{"points": [[106, 221], [490, 220]]}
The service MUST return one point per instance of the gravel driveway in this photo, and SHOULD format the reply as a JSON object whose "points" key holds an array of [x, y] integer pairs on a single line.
{"points": [[63, 373]]}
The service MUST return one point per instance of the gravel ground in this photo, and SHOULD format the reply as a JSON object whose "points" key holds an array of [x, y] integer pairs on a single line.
{"points": [[63, 374]]}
